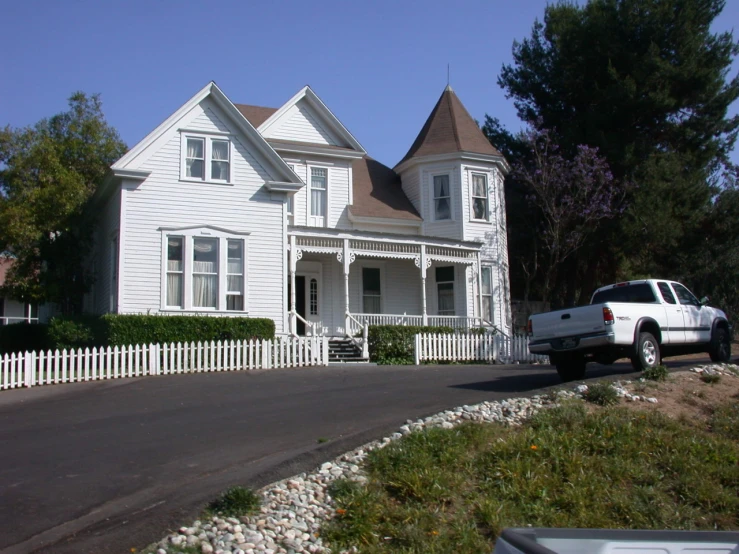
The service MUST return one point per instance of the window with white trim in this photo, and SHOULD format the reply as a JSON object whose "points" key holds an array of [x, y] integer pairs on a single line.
{"points": [[291, 203], [486, 292], [175, 271], [371, 290], [206, 158], [480, 197], [235, 276], [442, 198], [318, 187], [445, 290], [204, 273]]}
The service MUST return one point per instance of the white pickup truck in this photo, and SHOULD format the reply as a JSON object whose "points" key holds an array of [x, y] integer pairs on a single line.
{"points": [[641, 320]]}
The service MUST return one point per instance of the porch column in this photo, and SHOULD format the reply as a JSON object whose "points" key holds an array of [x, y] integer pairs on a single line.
{"points": [[423, 268], [293, 266], [347, 263]]}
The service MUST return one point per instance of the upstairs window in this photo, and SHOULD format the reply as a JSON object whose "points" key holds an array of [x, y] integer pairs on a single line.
{"points": [[318, 186], [479, 197], [195, 158], [206, 159], [442, 198], [445, 289]]}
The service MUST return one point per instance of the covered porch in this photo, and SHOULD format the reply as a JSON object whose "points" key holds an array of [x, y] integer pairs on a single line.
{"points": [[340, 282]]}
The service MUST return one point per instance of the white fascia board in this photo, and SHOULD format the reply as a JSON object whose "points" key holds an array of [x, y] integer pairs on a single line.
{"points": [[281, 186], [132, 174], [327, 115], [383, 220], [316, 150], [500, 161], [219, 230]]}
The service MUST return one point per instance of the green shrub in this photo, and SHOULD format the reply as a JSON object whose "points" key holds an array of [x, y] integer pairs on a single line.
{"points": [[143, 329], [658, 373], [395, 344], [602, 394], [710, 378], [236, 501], [79, 331], [24, 337]]}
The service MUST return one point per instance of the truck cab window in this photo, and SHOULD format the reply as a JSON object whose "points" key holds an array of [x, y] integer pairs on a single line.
{"points": [[664, 289]]}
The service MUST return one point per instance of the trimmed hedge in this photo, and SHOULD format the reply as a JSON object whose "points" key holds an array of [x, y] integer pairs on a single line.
{"points": [[143, 329], [395, 344], [24, 337], [121, 330]]}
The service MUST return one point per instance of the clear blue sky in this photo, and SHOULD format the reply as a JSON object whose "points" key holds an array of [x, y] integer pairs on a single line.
{"points": [[380, 66]]}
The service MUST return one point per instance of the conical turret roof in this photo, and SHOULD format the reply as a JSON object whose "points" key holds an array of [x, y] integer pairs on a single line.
{"points": [[450, 128]]}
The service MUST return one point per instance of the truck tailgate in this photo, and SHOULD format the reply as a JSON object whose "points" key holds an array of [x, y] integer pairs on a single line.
{"points": [[569, 322]]}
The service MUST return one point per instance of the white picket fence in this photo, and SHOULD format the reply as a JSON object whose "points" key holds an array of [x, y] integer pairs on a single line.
{"points": [[69, 366], [473, 347]]}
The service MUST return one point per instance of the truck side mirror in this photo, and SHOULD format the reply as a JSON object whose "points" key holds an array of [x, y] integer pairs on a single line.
{"points": [[704, 301]]}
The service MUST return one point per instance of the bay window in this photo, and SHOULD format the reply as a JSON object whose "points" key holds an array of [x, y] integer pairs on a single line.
{"points": [[204, 271], [206, 158], [442, 198], [479, 197]]}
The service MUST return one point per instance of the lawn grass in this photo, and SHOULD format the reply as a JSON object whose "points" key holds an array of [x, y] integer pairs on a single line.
{"points": [[439, 491]]}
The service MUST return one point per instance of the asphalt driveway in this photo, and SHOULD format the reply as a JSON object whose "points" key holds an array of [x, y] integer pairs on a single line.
{"points": [[103, 467]]}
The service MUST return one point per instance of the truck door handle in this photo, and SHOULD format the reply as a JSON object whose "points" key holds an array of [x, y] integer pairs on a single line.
{"points": [[566, 316]]}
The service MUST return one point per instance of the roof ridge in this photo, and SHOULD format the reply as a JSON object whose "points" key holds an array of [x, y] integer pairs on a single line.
{"points": [[455, 128]]}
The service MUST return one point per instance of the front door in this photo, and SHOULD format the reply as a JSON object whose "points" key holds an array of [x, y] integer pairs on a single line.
{"points": [[307, 300]]}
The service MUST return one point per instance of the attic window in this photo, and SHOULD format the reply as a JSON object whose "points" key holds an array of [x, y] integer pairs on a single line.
{"points": [[206, 159]]}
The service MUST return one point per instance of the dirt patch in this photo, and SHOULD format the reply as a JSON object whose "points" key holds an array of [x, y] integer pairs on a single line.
{"points": [[684, 395]]}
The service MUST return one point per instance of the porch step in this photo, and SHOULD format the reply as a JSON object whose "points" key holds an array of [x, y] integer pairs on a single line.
{"points": [[344, 350]]}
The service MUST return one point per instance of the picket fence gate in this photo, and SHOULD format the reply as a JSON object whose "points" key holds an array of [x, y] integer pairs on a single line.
{"points": [[69, 366], [474, 347]]}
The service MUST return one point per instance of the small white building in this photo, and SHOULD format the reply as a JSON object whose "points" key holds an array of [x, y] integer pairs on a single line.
{"points": [[236, 210]]}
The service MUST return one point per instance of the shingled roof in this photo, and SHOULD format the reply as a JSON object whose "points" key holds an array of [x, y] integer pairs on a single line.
{"points": [[450, 128], [377, 192], [256, 115]]}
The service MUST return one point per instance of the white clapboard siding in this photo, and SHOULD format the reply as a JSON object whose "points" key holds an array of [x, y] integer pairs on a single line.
{"points": [[92, 364], [474, 347], [245, 206], [300, 123]]}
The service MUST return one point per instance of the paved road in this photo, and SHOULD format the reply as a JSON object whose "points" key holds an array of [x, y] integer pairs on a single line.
{"points": [[103, 467]]}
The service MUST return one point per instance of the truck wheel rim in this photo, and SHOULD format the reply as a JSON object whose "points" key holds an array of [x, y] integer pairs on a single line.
{"points": [[650, 352]]}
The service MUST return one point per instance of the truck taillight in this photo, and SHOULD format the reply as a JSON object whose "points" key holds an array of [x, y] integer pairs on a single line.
{"points": [[530, 327], [608, 316]]}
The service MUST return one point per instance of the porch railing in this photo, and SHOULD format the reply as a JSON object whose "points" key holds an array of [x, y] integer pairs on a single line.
{"points": [[11, 320], [297, 317], [455, 322], [354, 323]]}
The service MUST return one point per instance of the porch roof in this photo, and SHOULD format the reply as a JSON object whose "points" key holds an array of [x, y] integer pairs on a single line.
{"points": [[383, 245]]}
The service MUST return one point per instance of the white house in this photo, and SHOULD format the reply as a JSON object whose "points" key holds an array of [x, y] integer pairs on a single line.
{"points": [[236, 210]]}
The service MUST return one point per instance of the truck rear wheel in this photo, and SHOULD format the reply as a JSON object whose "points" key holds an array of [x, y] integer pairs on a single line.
{"points": [[647, 353], [570, 367]]}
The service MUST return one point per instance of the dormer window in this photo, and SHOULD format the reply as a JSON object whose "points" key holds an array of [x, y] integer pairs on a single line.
{"points": [[480, 197], [206, 159], [442, 198]]}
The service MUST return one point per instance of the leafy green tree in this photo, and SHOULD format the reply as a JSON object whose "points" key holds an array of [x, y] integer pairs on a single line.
{"points": [[646, 82], [48, 173]]}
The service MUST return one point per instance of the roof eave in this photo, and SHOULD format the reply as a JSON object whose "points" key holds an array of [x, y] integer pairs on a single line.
{"points": [[316, 150], [500, 161], [378, 220]]}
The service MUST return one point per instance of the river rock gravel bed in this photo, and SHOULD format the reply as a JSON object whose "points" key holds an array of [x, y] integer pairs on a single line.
{"points": [[293, 509]]}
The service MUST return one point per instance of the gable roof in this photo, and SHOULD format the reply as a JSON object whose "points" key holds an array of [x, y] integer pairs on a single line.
{"points": [[450, 128], [129, 164], [377, 192], [326, 116], [256, 115]]}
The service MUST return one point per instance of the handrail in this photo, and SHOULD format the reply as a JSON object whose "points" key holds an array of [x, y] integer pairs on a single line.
{"points": [[311, 324], [486, 323], [365, 331]]}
